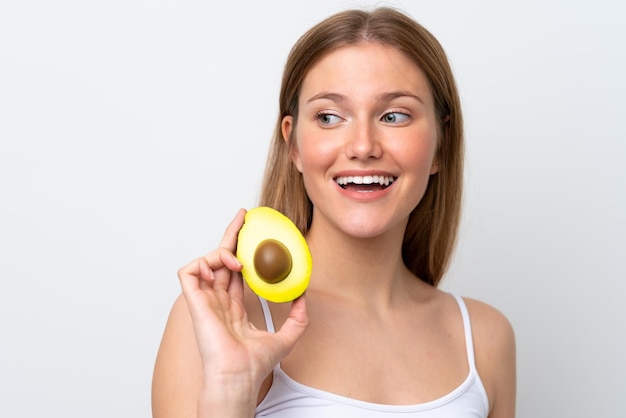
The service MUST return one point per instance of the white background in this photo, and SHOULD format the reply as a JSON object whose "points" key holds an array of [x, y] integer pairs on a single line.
{"points": [[131, 131]]}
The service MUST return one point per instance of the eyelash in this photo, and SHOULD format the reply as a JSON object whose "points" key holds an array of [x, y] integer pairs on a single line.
{"points": [[391, 112], [321, 114]]}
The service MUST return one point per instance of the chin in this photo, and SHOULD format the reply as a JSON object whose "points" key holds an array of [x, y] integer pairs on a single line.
{"points": [[368, 230], [364, 223]]}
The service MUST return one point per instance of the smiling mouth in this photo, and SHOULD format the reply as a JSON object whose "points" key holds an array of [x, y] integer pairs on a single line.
{"points": [[365, 183]]}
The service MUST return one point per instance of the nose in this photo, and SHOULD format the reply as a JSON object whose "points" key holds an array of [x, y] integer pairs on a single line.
{"points": [[363, 142]]}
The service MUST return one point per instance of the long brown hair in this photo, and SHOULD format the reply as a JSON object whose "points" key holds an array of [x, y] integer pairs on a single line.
{"points": [[431, 232]]}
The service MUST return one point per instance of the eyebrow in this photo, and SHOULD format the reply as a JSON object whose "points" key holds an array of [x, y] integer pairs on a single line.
{"points": [[385, 97], [328, 96]]}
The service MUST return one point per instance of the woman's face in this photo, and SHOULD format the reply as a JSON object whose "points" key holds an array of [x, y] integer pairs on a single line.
{"points": [[366, 139]]}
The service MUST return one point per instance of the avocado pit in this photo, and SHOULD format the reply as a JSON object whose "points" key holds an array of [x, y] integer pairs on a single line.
{"points": [[272, 261]]}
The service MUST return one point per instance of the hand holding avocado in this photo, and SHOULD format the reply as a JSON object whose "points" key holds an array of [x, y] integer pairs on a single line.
{"points": [[227, 341]]}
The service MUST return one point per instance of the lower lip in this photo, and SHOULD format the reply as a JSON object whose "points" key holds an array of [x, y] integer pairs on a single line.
{"points": [[365, 196]]}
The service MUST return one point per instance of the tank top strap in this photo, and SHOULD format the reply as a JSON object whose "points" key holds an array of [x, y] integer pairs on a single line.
{"points": [[467, 329], [267, 315]]}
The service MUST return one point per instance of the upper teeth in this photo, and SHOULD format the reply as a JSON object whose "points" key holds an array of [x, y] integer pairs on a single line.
{"points": [[382, 180]]}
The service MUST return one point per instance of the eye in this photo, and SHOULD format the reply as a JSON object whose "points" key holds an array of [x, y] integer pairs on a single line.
{"points": [[327, 119], [395, 117]]}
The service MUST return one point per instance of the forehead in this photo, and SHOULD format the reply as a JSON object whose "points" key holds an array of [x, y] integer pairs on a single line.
{"points": [[365, 69]]}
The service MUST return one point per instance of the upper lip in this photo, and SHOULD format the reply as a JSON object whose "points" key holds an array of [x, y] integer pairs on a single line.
{"points": [[345, 173]]}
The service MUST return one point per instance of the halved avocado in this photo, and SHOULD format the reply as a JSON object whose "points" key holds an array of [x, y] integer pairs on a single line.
{"points": [[275, 256]]}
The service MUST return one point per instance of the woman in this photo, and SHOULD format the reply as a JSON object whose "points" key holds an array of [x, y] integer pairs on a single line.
{"points": [[367, 161]]}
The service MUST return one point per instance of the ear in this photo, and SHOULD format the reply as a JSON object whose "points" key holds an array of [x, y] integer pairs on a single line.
{"points": [[434, 168], [286, 128]]}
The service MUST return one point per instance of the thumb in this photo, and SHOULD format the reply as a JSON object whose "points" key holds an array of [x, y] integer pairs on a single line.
{"points": [[295, 325]]}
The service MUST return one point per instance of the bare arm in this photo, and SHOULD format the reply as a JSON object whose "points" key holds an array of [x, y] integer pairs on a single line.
{"points": [[177, 379]]}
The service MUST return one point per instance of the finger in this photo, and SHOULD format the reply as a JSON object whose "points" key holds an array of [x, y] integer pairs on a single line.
{"points": [[295, 325], [194, 275], [206, 276], [195, 280], [230, 262], [235, 287], [189, 280], [223, 257], [199, 269], [229, 240]]}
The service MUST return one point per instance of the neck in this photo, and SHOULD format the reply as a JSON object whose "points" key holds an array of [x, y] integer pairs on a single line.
{"points": [[367, 270]]}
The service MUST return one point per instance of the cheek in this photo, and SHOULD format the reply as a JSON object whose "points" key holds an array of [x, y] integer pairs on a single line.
{"points": [[315, 152], [294, 154], [416, 153]]}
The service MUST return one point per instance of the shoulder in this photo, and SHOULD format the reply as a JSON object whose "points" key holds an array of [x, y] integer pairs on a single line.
{"points": [[490, 325], [494, 346]]}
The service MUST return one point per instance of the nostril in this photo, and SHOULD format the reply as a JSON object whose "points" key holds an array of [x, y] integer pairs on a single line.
{"points": [[364, 145]]}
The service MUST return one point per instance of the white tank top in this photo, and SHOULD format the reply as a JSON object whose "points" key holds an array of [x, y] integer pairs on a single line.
{"points": [[290, 399]]}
